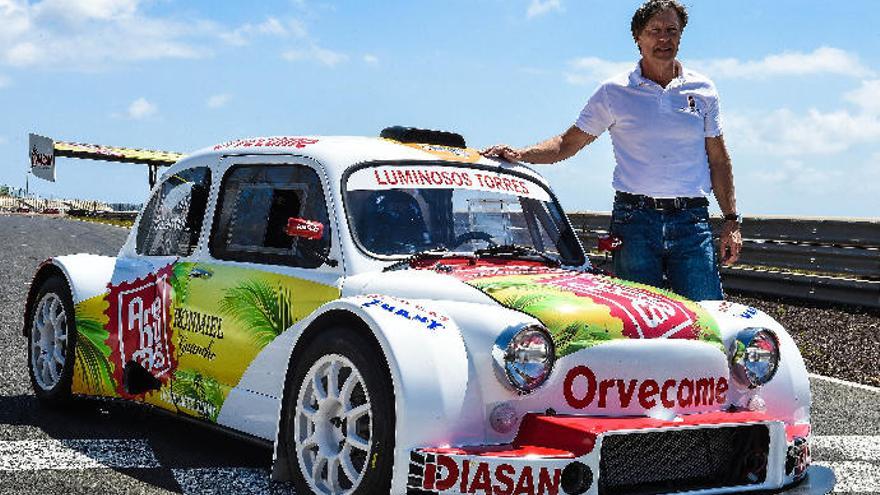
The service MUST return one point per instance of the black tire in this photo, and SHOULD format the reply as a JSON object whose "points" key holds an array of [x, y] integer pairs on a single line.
{"points": [[372, 367], [59, 392]]}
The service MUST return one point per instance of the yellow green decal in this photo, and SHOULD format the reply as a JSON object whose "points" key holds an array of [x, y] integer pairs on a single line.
{"points": [[583, 309], [222, 317], [92, 371], [194, 327]]}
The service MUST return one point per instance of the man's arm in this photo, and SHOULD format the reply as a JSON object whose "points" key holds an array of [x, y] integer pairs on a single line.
{"points": [[721, 174], [553, 150]]}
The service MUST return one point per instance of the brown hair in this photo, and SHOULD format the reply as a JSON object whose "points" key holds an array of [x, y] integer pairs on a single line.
{"points": [[652, 7]]}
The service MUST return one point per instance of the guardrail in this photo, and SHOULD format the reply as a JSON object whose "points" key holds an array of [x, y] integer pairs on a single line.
{"points": [[832, 260]]}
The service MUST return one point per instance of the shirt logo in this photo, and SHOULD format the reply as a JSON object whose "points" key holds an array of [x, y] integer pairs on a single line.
{"points": [[692, 106]]}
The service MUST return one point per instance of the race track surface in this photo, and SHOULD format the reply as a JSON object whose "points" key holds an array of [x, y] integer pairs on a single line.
{"points": [[99, 447]]}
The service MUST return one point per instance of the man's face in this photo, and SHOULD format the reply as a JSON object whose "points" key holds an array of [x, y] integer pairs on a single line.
{"points": [[660, 38]]}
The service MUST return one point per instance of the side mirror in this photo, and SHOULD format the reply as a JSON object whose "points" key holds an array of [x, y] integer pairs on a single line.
{"points": [[609, 243], [307, 229]]}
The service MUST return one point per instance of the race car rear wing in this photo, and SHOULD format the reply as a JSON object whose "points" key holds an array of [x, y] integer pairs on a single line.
{"points": [[43, 151]]}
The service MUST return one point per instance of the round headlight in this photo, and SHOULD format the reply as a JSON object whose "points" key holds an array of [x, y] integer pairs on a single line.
{"points": [[526, 357], [754, 356]]}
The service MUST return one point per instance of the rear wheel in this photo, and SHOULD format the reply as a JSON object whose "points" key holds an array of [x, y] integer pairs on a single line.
{"points": [[339, 419], [51, 341]]}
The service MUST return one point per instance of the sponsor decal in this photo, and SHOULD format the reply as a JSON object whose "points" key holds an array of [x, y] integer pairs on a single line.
{"points": [[268, 142], [584, 309], [41, 160], [201, 323], [749, 313], [139, 328], [307, 229], [440, 177], [406, 310], [581, 389], [442, 473], [188, 323], [650, 314], [436, 148]]}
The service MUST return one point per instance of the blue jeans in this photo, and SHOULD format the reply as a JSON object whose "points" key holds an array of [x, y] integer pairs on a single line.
{"points": [[667, 248]]}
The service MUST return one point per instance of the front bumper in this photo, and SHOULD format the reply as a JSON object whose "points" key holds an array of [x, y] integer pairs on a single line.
{"points": [[719, 452]]}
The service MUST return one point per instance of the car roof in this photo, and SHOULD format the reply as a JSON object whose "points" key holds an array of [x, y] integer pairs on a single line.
{"points": [[339, 153]]}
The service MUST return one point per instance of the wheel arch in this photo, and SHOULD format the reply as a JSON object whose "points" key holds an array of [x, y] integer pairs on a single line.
{"points": [[336, 316], [86, 275], [46, 270], [429, 372]]}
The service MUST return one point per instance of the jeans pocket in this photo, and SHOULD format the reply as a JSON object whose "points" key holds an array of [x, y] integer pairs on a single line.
{"points": [[622, 214]]}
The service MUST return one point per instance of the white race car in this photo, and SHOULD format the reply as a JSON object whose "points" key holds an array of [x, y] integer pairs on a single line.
{"points": [[401, 315]]}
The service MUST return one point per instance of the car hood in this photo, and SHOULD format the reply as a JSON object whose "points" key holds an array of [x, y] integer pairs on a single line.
{"points": [[580, 309]]}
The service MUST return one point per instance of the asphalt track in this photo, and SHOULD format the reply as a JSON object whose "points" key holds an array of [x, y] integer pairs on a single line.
{"points": [[99, 447]]}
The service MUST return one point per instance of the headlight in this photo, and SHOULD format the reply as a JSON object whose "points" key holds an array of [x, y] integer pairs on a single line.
{"points": [[754, 356], [525, 357]]}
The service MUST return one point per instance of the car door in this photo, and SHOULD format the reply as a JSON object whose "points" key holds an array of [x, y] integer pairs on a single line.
{"points": [[142, 292], [255, 280]]}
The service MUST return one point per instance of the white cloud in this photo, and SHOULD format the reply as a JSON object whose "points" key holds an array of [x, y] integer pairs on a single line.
{"points": [[5, 81], [541, 7], [141, 109], [80, 10], [371, 59], [91, 34], [323, 56], [823, 60], [243, 35], [784, 132], [588, 70], [866, 97], [218, 101], [796, 173]]}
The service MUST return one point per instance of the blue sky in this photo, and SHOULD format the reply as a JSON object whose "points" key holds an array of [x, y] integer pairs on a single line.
{"points": [[799, 83]]}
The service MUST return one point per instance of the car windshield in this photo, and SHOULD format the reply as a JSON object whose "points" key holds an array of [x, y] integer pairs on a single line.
{"points": [[404, 209]]}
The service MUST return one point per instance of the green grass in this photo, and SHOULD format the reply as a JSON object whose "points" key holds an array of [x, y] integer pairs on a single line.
{"points": [[119, 223]]}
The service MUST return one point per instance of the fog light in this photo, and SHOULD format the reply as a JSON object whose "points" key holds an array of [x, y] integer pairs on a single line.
{"points": [[503, 418], [798, 457], [576, 478]]}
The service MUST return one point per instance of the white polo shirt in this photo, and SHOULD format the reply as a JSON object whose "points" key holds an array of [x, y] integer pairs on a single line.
{"points": [[658, 134]]}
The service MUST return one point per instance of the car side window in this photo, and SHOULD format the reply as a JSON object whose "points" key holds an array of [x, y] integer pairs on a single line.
{"points": [[255, 204], [172, 220]]}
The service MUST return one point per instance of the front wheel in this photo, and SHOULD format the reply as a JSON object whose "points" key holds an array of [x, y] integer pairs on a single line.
{"points": [[339, 419], [51, 341]]}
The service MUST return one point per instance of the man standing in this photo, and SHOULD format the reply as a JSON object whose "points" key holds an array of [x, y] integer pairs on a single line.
{"points": [[666, 132]]}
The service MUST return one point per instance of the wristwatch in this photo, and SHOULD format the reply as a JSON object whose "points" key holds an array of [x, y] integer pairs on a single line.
{"points": [[733, 217]]}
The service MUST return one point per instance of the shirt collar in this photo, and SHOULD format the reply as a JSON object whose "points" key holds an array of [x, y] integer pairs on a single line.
{"points": [[636, 79]]}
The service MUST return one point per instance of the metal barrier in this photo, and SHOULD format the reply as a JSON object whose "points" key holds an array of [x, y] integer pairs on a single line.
{"points": [[832, 260]]}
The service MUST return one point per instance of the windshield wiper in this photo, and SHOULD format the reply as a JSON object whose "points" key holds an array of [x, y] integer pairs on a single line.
{"points": [[517, 251], [435, 252]]}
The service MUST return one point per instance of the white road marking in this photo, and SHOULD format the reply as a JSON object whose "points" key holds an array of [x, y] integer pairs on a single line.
{"points": [[847, 447], [844, 382], [31, 455], [244, 481], [853, 476]]}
